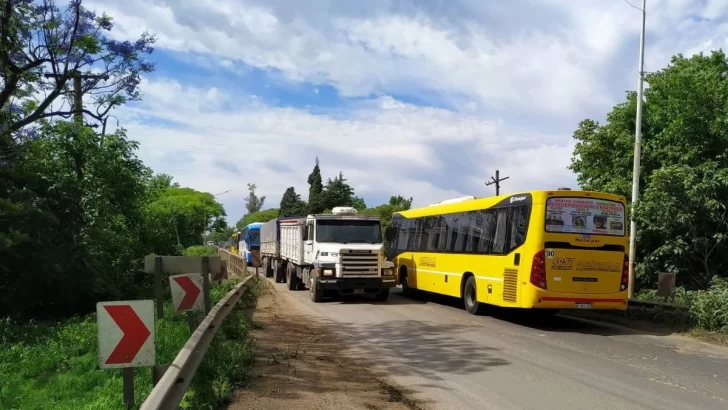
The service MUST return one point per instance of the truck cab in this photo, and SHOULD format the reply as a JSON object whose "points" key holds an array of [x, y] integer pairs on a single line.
{"points": [[344, 253]]}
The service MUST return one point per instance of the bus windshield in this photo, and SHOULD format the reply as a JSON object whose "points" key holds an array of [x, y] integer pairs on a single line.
{"points": [[585, 216], [348, 231], [254, 238]]}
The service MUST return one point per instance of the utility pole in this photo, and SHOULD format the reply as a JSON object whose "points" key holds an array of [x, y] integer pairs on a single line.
{"points": [[78, 91], [496, 181], [637, 154]]}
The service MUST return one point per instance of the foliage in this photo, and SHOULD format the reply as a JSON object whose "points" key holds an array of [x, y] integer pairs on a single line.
{"points": [[221, 235], [55, 365], [182, 215], [253, 203], [316, 195], [709, 307], [66, 242], [385, 211], [291, 203], [683, 184], [38, 38], [261, 216], [199, 250]]}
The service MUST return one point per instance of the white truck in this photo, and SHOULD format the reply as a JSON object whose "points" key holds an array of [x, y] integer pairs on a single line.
{"points": [[341, 253]]}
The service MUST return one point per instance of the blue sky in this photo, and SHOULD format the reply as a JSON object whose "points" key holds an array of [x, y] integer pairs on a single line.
{"points": [[417, 98]]}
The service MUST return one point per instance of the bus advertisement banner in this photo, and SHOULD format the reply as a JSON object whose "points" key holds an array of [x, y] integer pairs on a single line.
{"points": [[585, 216]]}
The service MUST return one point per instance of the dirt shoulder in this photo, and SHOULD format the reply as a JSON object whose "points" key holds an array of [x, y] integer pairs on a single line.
{"points": [[301, 365]]}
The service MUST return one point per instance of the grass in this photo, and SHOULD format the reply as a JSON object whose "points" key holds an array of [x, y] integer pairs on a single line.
{"points": [[55, 365]]}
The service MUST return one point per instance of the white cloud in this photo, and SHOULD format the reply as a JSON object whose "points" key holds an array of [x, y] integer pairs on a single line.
{"points": [[519, 74]]}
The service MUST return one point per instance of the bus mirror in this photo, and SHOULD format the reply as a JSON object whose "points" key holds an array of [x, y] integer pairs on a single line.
{"points": [[389, 234]]}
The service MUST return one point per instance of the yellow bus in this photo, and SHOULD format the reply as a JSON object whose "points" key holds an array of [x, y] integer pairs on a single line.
{"points": [[545, 250]]}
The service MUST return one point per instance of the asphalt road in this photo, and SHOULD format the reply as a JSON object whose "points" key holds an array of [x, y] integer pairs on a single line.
{"points": [[451, 360]]}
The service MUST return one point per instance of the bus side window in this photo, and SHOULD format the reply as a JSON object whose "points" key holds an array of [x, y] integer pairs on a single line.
{"points": [[501, 230]]}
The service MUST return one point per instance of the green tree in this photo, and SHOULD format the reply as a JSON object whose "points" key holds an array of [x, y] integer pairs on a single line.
{"points": [[316, 195], [38, 38], [385, 211], [181, 216], [681, 213], [291, 203], [260, 216], [400, 202], [253, 203], [338, 193], [358, 203], [56, 257]]}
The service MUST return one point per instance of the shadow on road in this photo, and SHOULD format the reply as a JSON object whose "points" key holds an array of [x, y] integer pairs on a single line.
{"points": [[583, 322]]}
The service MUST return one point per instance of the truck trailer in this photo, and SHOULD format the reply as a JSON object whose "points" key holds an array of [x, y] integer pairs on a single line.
{"points": [[337, 254]]}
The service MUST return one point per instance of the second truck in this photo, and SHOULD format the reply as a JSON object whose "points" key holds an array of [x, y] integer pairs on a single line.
{"points": [[341, 253]]}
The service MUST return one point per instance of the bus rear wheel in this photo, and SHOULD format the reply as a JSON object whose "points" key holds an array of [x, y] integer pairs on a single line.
{"points": [[470, 296]]}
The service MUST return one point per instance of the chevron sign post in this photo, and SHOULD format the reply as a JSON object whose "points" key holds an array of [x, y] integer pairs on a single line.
{"points": [[187, 295], [126, 339], [186, 292]]}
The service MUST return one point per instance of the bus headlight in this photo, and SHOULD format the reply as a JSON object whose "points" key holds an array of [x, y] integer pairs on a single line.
{"points": [[387, 272]]}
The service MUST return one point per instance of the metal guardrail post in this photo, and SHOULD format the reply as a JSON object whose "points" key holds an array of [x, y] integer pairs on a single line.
{"points": [[158, 294]]}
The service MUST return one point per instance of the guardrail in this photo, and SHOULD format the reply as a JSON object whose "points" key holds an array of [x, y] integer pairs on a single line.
{"points": [[654, 304], [234, 264], [170, 390]]}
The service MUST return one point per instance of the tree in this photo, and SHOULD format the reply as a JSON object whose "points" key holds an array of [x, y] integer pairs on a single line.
{"points": [[358, 203], [400, 203], [291, 203], [316, 195], [253, 203], [681, 213], [182, 215], [260, 216], [338, 193], [38, 38]]}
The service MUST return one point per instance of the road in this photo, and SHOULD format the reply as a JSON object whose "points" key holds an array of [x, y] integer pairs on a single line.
{"points": [[448, 359]]}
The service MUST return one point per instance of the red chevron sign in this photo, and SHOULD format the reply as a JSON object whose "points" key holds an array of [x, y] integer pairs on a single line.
{"points": [[126, 333], [186, 292]]}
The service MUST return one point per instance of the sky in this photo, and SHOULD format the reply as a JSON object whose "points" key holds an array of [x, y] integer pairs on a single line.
{"points": [[420, 98]]}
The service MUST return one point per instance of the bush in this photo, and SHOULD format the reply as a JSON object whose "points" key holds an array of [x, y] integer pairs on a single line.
{"points": [[200, 250], [707, 309]]}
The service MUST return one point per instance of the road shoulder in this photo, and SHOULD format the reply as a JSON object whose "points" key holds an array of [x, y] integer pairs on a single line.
{"points": [[301, 365]]}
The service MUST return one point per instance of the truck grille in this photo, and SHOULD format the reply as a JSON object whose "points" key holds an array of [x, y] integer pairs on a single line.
{"points": [[359, 262]]}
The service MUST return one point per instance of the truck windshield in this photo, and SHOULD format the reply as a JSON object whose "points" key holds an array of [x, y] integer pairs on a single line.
{"points": [[345, 231]]}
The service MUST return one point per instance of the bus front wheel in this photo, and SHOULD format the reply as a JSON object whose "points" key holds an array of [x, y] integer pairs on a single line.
{"points": [[470, 295]]}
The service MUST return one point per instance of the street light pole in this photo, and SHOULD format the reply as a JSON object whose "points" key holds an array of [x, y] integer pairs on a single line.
{"points": [[637, 154]]}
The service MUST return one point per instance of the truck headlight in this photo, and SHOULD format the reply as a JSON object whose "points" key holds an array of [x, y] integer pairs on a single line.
{"points": [[328, 272], [387, 272]]}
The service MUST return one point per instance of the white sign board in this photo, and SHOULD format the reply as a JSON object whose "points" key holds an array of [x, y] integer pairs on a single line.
{"points": [[187, 292], [126, 334]]}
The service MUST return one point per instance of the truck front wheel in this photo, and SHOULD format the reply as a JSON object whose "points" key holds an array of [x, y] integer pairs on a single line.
{"points": [[383, 295], [315, 292]]}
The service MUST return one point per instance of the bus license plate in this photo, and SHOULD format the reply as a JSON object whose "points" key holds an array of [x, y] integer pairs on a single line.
{"points": [[582, 305], [358, 291]]}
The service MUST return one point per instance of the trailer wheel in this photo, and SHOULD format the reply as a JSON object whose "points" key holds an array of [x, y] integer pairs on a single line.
{"points": [[268, 266], [291, 277], [280, 275], [300, 284], [316, 293]]}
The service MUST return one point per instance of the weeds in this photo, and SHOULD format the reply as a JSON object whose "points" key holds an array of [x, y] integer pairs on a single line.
{"points": [[55, 365]]}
